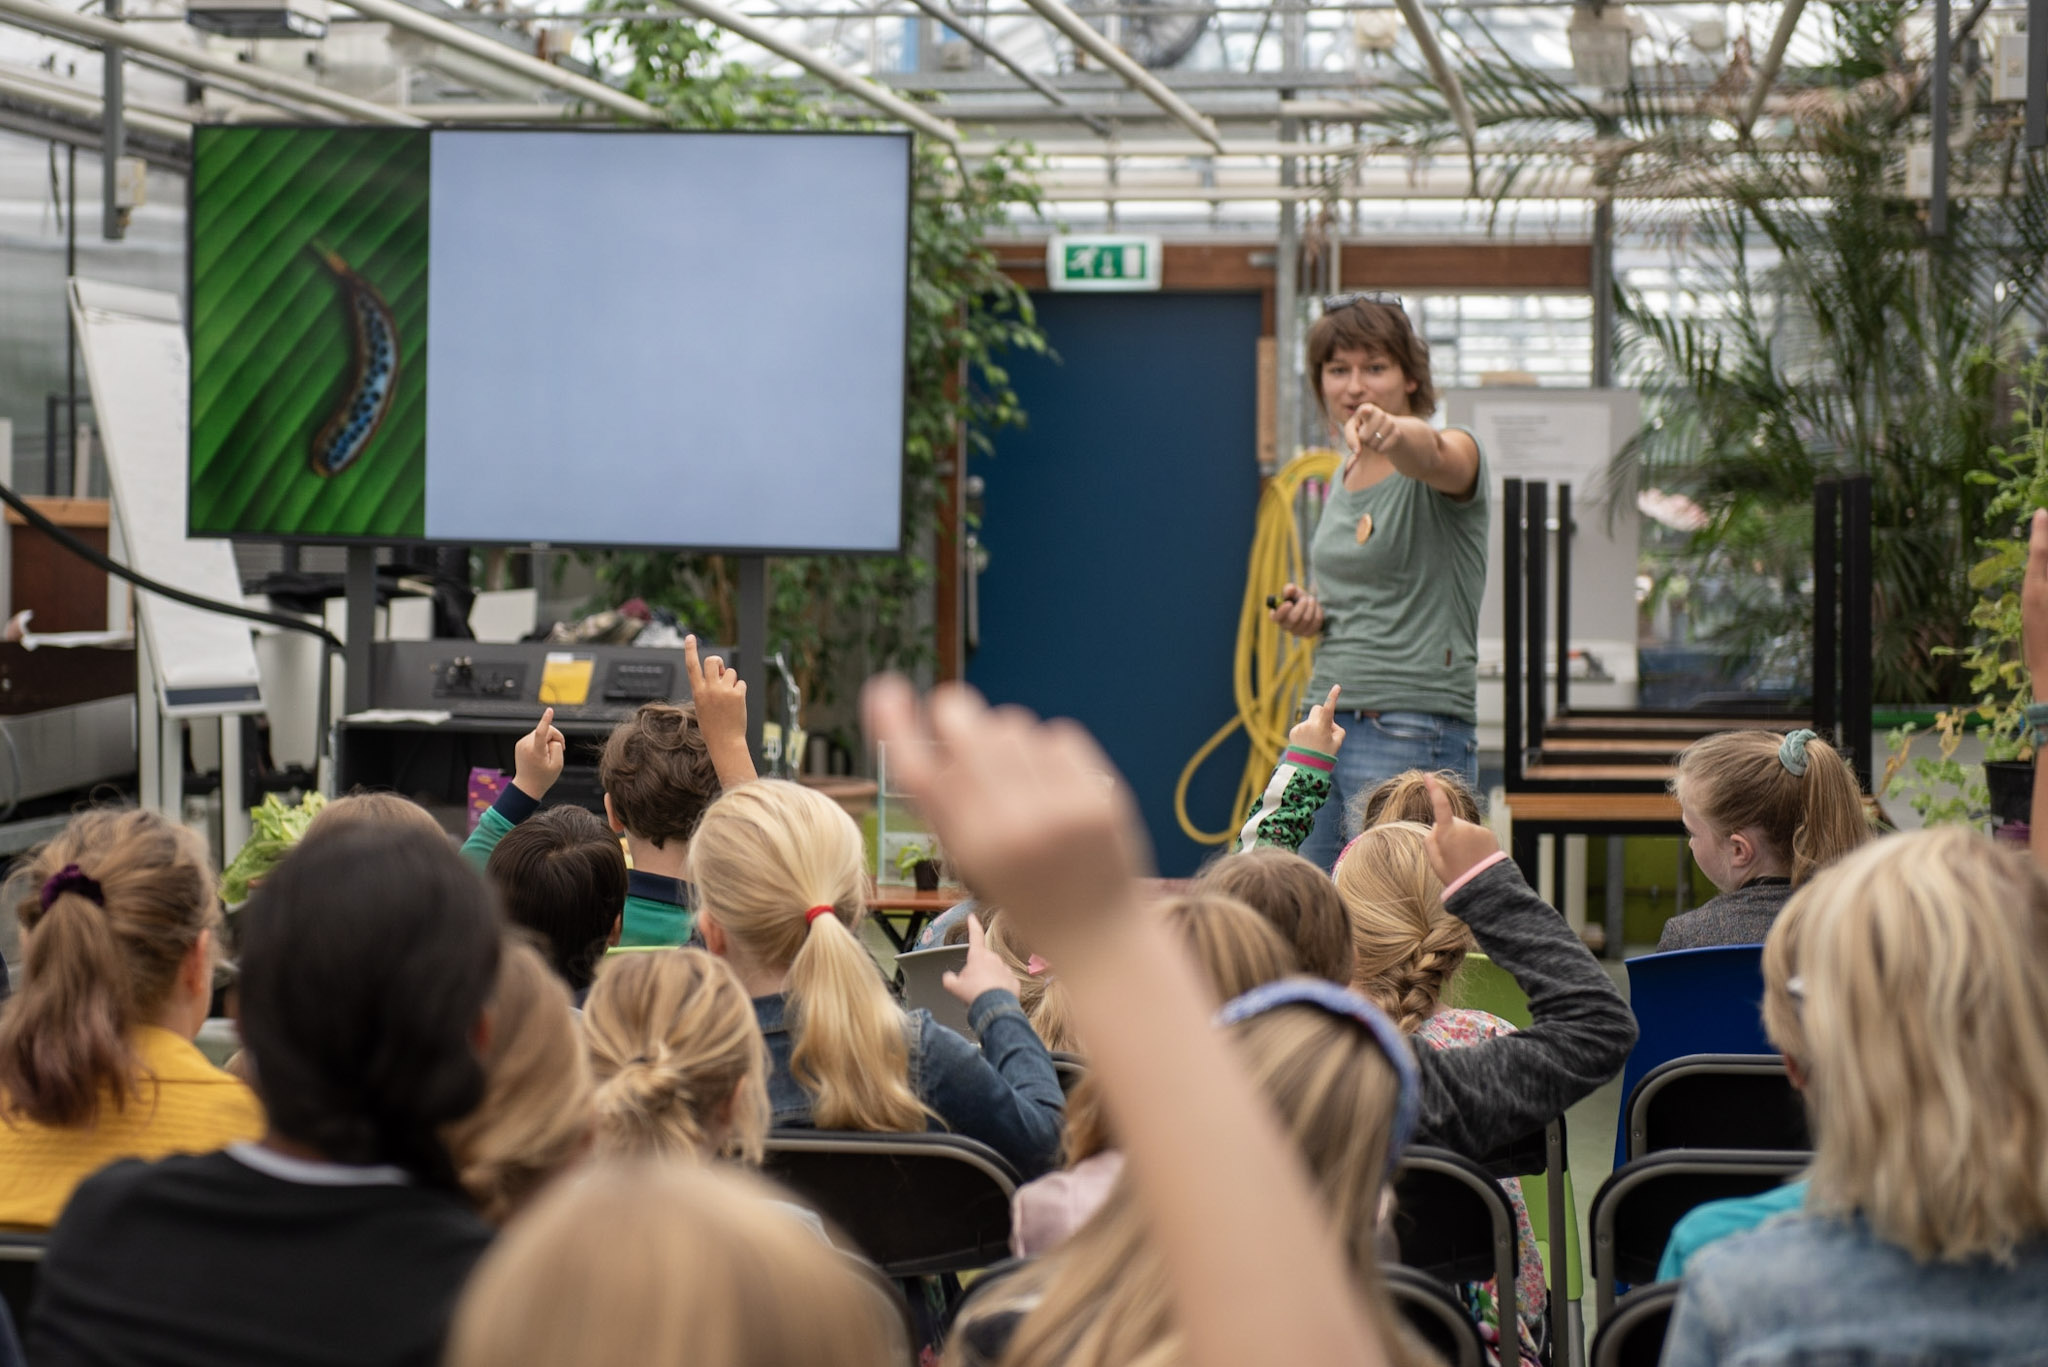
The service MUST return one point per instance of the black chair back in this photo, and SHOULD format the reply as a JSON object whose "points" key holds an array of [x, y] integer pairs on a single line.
{"points": [[915, 1204], [1636, 1209], [1633, 1336], [1454, 1223], [21, 1258], [1436, 1315], [1717, 1101], [1071, 1068]]}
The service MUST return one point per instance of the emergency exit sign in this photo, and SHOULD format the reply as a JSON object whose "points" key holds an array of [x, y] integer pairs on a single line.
{"points": [[1103, 262]]}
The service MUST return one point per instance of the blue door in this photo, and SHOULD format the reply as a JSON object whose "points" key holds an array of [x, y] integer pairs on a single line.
{"points": [[1117, 526]]}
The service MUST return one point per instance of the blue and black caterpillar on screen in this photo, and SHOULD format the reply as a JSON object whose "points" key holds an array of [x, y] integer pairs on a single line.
{"points": [[374, 380]]}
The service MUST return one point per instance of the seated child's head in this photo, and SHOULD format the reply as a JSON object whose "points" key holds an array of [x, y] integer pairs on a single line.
{"points": [[681, 1065], [657, 774], [535, 1117], [373, 807], [368, 960], [1039, 990], [781, 876], [119, 920], [1903, 985], [630, 1263], [1236, 949], [1404, 797], [1297, 897], [1758, 804], [1100, 1298], [562, 875], [1408, 945]]}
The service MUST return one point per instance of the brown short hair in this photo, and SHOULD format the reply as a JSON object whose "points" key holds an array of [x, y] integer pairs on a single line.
{"points": [[1382, 328], [373, 807], [657, 771], [1297, 897], [562, 875]]}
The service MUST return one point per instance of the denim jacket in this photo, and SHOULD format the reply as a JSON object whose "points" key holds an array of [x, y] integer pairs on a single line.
{"points": [[1004, 1093], [1809, 1288]]}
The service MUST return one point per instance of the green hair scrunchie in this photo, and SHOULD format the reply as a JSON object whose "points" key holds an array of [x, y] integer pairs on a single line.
{"points": [[1792, 751]]}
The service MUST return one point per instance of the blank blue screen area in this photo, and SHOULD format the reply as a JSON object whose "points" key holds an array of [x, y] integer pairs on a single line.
{"points": [[667, 339]]}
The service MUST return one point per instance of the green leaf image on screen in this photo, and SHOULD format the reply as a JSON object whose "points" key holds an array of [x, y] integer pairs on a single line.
{"points": [[308, 245]]}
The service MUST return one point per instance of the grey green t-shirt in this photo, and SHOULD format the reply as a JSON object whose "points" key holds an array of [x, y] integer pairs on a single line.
{"points": [[1402, 609]]}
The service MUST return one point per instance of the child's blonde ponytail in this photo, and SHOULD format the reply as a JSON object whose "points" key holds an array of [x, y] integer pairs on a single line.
{"points": [[767, 854]]}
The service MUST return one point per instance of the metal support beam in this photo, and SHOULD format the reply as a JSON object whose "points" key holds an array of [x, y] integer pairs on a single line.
{"points": [[2037, 73], [460, 39], [1446, 80], [1774, 60], [100, 31], [1116, 59], [946, 15], [113, 134], [1603, 293], [1937, 197], [82, 102], [902, 110]]}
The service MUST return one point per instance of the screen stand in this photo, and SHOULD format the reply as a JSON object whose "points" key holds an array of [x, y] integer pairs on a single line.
{"points": [[361, 584], [753, 646]]}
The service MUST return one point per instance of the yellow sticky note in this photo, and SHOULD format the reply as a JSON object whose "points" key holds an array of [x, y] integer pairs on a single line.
{"points": [[565, 679]]}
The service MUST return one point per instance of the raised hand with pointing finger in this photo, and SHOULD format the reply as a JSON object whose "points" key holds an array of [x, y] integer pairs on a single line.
{"points": [[1455, 846], [984, 970], [1319, 730], [538, 757], [720, 695]]}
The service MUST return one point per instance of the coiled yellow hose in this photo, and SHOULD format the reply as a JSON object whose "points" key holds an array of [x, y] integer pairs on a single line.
{"points": [[1272, 666]]}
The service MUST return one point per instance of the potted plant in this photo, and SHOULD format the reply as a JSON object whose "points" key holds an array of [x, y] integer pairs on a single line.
{"points": [[1942, 788], [918, 862]]}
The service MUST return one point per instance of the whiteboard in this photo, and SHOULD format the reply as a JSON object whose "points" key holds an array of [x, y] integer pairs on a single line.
{"points": [[1562, 436], [139, 369]]}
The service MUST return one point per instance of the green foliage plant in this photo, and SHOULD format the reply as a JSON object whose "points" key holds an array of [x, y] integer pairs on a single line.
{"points": [[1940, 787], [838, 618]]}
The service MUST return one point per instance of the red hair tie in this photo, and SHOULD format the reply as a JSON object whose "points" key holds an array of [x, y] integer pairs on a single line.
{"points": [[814, 913]]}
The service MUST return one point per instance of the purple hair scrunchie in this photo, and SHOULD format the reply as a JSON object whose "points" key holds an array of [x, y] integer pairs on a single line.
{"points": [[71, 878]]}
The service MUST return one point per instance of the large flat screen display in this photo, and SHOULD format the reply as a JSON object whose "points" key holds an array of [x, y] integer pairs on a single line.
{"points": [[577, 338]]}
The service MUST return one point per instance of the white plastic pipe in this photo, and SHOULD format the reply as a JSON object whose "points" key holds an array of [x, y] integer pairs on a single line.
{"points": [[1119, 61], [460, 39], [828, 71], [137, 38]]}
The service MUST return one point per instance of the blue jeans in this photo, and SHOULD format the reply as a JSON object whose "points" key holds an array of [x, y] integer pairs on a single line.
{"points": [[1377, 748]]}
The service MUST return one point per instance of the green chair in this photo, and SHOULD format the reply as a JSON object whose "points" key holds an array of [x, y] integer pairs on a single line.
{"points": [[1482, 985]]}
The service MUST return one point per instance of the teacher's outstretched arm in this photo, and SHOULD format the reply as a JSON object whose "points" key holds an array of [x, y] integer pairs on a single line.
{"points": [[1447, 461]]}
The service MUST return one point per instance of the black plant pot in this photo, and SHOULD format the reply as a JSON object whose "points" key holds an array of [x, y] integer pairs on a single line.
{"points": [[2012, 790], [925, 874]]}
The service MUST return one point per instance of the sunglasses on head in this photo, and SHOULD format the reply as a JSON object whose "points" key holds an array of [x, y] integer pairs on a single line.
{"points": [[1333, 302]]}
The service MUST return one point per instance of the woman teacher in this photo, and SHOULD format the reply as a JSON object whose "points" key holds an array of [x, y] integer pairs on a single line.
{"points": [[1396, 566]]}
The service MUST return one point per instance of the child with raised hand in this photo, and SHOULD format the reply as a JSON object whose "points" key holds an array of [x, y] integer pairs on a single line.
{"points": [[119, 923], [781, 875], [1764, 811], [1409, 949], [660, 769], [1021, 808], [1285, 811]]}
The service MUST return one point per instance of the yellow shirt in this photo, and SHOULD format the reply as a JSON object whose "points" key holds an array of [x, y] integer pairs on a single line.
{"points": [[183, 1104]]}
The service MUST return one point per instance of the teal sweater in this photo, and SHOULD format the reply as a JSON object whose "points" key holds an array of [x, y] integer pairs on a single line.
{"points": [[657, 908]]}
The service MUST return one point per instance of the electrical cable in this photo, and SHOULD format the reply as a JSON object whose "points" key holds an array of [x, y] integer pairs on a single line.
{"points": [[63, 538], [1271, 667]]}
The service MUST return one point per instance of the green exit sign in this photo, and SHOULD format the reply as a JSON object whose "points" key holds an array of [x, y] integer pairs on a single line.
{"points": [[1103, 261]]}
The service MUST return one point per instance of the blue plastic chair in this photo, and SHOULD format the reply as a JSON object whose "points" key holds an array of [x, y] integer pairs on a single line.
{"points": [[1691, 1001]]}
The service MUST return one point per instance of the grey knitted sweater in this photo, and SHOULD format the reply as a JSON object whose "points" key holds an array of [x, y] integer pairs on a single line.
{"points": [[1742, 916], [1486, 1096]]}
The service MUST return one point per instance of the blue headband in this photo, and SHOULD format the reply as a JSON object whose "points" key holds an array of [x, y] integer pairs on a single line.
{"points": [[1792, 751], [1339, 1002]]}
